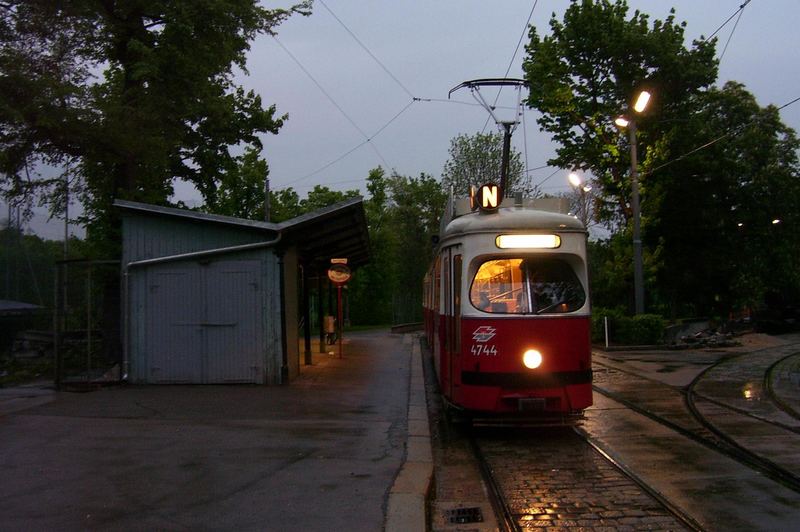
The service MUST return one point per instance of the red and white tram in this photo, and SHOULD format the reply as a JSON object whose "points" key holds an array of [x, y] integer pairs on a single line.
{"points": [[507, 311]]}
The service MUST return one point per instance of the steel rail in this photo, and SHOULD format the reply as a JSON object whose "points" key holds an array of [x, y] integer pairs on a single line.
{"points": [[719, 403], [675, 510], [505, 519], [720, 442], [780, 403], [735, 450]]}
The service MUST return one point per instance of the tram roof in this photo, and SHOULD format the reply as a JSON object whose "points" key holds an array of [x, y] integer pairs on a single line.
{"points": [[513, 219]]}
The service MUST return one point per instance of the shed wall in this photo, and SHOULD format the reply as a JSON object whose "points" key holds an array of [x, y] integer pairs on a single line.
{"points": [[148, 237], [210, 321]]}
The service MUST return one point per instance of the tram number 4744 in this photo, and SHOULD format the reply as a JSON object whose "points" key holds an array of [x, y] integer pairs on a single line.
{"points": [[483, 349]]}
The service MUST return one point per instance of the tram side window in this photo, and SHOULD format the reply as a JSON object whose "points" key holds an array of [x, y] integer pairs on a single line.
{"points": [[530, 285], [437, 283]]}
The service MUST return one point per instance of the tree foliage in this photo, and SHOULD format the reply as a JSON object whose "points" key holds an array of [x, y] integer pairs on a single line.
{"points": [[26, 266], [402, 215], [585, 73], [240, 191], [476, 160], [711, 212], [132, 95], [716, 169]]}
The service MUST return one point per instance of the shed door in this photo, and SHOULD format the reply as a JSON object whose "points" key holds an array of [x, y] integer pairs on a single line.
{"points": [[234, 336], [174, 337], [204, 323]]}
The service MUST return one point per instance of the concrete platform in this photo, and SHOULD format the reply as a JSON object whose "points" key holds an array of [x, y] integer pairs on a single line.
{"points": [[341, 448]]}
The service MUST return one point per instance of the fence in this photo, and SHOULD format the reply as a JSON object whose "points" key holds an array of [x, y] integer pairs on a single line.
{"points": [[407, 308], [86, 322]]}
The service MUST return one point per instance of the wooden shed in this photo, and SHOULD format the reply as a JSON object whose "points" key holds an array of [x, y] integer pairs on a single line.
{"points": [[216, 299]]}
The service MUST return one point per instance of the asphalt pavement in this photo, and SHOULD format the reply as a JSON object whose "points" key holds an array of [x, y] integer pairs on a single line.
{"points": [[341, 448]]}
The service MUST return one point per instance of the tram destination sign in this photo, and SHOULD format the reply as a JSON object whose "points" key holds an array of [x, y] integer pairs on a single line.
{"points": [[487, 197]]}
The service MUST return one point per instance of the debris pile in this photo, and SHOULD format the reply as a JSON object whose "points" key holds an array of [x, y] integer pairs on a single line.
{"points": [[707, 338]]}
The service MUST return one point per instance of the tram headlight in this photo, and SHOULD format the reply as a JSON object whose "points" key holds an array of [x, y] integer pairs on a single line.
{"points": [[532, 359]]}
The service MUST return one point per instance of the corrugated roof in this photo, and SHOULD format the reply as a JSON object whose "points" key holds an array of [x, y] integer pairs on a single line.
{"points": [[339, 230], [194, 215]]}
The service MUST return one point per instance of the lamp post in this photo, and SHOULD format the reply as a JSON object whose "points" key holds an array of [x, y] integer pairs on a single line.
{"points": [[638, 273]]}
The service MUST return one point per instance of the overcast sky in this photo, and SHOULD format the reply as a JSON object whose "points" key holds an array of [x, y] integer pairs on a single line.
{"points": [[429, 47]]}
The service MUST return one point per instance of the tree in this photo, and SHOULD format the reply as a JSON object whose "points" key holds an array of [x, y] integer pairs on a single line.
{"points": [[711, 211], [585, 73], [476, 160], [284, 205], [241, 189], [402, 215], [130, 96], [609, 273], [417, 206], [321, 196], [26, 266], [164, 109], [372, 287]]}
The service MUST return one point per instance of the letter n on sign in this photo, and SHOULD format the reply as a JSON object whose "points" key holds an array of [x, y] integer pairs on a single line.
{"points": [[489, 197]]}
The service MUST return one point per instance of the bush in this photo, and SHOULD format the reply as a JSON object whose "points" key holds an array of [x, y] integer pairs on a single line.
{"points": [[644, 329]]}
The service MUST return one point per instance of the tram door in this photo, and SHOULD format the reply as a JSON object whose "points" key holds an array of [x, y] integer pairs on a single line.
{"points": [[451, 263]]}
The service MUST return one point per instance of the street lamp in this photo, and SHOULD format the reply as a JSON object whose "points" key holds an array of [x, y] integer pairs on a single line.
{"points": [[638, 276], [578, 182]]}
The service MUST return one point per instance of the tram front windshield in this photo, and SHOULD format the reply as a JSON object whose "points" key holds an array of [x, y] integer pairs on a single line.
{"points": [[533, 285]]}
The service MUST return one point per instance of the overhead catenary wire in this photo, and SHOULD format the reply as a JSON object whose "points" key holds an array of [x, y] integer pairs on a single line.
{"points": [[327, 95], [327, 165], [364, 47], [382, 128], [336, 160], [542, 167], [319, 86], [557, 170], [461, 102], [787, 104], [710, 143], [737, 12], [395, 79], [367, 138], [730, 36], [413, 98], [514, 56]]}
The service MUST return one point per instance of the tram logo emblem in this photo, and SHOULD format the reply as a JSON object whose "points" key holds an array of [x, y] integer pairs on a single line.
{"points": [[484, 333]]}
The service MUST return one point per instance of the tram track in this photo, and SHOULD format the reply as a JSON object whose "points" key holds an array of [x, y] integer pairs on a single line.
{"points": [[677, 512], [557, 467], [502, 511], [699, 428], [768, 379]]}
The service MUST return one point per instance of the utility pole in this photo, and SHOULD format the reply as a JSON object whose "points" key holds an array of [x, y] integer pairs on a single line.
{"points": [[66, 216], [266, 199], [8, 253], [638, 270], [506, 156]]}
